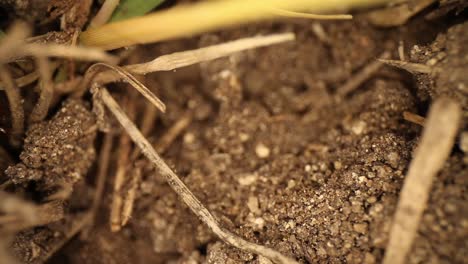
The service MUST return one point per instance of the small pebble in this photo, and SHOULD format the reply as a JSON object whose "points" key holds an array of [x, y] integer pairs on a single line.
{"points": [[262, 151], [360, 228]]}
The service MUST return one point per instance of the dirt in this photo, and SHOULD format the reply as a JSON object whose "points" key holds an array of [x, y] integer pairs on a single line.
{"points": [[271, 150]]}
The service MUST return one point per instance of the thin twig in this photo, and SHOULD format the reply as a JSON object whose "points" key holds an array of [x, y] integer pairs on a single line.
{"points": [[104, 13], [436, 143], [359, 78], [409, 66], [414, 118], [181, 189], [46, 85], [16, 107]]}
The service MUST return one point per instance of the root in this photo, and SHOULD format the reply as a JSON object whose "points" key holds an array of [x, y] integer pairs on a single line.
{"points": [[30, 77], [436, 143], [181, 189], [16, 107], [130, 195], [120, 174], [166, 140], [359, 78], [413, 68], [104, 13], [414, 118], [46, 85], [22, 214], [104, 159]]}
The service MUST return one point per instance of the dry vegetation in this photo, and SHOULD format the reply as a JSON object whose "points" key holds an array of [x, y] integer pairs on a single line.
{"points": [[286, 132]]}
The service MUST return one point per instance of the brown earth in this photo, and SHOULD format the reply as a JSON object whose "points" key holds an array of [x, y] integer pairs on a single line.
{"points": [[274, 152]]}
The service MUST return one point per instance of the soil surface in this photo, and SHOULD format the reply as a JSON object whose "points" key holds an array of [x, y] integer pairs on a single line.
{"points": [[271, 148]]}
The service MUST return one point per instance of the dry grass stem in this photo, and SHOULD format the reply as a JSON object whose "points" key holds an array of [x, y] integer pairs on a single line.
{"points": [[166, 140], [186, 58], [124, 75], [414, 118], [46, 85], [434, 148], [104, 13], [149, 118], [181, 189], [363, 75], [63, 51], [409, 66], [16, 107], [187, 20]]}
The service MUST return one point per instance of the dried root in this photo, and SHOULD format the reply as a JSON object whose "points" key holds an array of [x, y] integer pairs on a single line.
{"points": [[413, 68], [364, 74], [118, 195], [436, 143], [47, 91], [414, 118]]}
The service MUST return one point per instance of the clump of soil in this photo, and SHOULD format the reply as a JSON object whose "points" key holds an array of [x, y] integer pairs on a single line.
{"points": [[58, 150]]}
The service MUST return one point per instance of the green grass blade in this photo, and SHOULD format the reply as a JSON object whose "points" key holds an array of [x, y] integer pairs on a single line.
{"points": [[134, 8]]}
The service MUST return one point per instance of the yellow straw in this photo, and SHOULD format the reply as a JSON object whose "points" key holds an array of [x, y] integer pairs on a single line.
{"points": [[187, 20]]}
